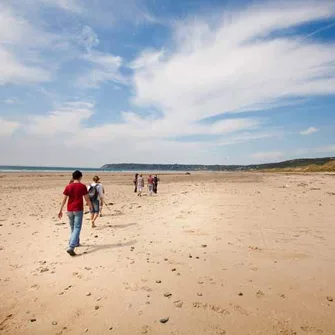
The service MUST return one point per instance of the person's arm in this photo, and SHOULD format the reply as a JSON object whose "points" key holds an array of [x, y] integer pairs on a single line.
{"points": [[60, 214], [88, 201]]}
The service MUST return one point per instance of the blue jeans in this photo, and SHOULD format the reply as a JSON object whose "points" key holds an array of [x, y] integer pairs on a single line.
{"points": [[76, 221]]}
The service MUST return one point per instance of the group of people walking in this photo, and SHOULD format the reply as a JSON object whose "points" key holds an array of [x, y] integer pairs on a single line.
{"points": [[75, 193], [139, 184]]}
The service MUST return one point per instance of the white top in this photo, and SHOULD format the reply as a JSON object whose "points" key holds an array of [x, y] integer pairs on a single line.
{"points": [[100, 189]]}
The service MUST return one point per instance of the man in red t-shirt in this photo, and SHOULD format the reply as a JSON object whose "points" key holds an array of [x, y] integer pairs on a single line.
{"points": [[73, 194]]}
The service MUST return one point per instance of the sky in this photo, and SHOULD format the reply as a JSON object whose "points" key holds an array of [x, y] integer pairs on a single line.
{"points": [[90, 82]]}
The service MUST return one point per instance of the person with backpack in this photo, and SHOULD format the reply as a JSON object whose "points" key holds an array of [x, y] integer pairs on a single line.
{"points": [[73, 195], [96, 195]]}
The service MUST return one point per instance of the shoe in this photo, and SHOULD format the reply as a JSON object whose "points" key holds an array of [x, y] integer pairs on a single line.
{"points": [[71, 252]]}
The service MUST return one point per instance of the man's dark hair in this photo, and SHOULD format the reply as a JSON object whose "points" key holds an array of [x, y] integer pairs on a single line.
{"points": [[76, 175]]}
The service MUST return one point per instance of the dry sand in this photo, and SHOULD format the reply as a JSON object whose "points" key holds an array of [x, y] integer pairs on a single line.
{"points": [[215, 253]]}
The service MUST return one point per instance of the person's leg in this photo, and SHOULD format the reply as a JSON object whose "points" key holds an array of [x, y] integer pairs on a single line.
{"points": [[71, 222], [77, 224], [95, 213]]}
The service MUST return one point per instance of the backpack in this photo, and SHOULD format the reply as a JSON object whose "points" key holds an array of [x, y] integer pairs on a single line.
{"points": [[93, 192]]}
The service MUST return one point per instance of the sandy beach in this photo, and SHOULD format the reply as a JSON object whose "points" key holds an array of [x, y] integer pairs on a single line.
{"points": [[211, 253]]}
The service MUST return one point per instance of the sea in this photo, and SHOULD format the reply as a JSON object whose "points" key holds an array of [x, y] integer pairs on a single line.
{"points": [[16, 168]]}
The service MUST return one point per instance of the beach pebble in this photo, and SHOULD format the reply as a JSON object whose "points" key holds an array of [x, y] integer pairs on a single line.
{"points": [[86, 330], [158, 281], [204, 245], [330, 299], [178, 304], [54, 323], [164, 320], [190, 256], [174, 269], [259, 293], [95, 236], [240, 294], [33, 320], [110, 328], [96, 307], [88, 294], [197, 257], [199, 294], [167, 294]]}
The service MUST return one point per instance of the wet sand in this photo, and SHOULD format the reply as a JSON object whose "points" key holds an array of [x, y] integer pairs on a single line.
{"points": [[212, 253]]}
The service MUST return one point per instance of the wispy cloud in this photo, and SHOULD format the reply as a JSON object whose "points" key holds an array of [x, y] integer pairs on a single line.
{"points": [[11, 101], [267, 156], [309, 131], [242, 62], [67, 119], [7, 128], [103, 68]]}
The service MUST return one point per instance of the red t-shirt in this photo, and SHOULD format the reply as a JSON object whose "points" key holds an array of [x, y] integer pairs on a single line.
{"points": [[150, 180], [75, 192]]}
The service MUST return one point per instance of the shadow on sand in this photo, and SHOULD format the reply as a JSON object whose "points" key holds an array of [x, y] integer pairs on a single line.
{"points": [[115, 226], [98, 247]]}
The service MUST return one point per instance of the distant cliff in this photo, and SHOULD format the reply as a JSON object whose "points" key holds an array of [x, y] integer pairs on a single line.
{"points": [[302, 164]]}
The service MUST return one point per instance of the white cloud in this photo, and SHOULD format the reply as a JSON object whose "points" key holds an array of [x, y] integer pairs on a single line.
{"points": [[103, 68], [309, 131], [88, 38], [326, 149], [11, 101], [67, 119], [267, 156], [7, 128], [238, 64], [68, 5]]}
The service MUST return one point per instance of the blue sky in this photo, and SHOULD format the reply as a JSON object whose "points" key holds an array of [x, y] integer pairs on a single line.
{"points": [[89, 82]]}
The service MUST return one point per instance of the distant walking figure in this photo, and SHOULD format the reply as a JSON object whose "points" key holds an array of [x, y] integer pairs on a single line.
{"points": [[135, 182], [156, 180], [140, 185], [150, 184]]}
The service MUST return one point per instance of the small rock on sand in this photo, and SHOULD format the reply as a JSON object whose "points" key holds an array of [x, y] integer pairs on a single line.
{"points": [[330, 299], [96, 308], [199, 294], [174, 269], [88, 294], [167, 294], [158, 281], [204, 245], [54, 323], [33, 320], [164, 320], [240, 294]]}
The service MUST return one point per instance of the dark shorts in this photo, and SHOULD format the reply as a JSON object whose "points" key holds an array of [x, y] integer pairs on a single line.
{"points": [[96, 206]]}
